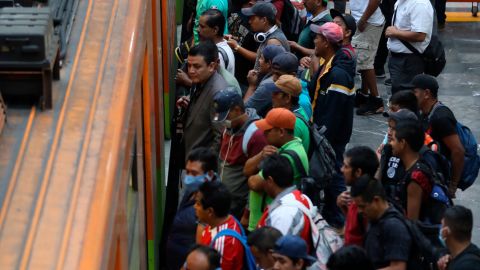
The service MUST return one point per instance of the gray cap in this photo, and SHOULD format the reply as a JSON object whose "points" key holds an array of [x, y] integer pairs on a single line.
{"points": [[402, 114], [261, 9]]}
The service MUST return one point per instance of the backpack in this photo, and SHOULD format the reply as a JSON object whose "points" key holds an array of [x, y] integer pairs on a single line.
{"points": [[434, 55], [423, 254], [325, 239], [438, 163], [471, 165], [249, 260], [321, 156], [224, 54], [291, 21]]}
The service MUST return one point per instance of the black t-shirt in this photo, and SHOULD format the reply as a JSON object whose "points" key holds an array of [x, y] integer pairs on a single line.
{"points": [[469, 259], [439, 124], [388, 240], [392, 171]]}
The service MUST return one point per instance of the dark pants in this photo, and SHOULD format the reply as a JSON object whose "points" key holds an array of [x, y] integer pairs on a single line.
{"points": [[340, 5], [403, 67], [382, 50], [332, 214], [440, 6]]}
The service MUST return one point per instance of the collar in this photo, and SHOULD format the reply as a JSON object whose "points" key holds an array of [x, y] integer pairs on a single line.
{"points": [[319, 16], [285, 146], [276, 202]]}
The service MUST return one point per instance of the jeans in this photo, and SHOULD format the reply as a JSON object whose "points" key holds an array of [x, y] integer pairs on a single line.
{"points": [[403, 67], [331, 212]]}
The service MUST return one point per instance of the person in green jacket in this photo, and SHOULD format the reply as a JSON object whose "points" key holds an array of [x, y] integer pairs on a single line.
{"points": [[202, 6]]}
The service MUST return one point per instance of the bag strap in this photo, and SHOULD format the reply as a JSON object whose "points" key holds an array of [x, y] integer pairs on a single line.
{"points": [[251, 129], [249, 260], [224, 56], [297, 161], [406, 43]]}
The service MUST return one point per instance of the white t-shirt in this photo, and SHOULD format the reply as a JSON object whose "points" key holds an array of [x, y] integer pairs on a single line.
{"points": [[358, 7], [414, 16], [231, 58]]}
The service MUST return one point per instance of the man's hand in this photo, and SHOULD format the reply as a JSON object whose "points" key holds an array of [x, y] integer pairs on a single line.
{"points": [[182, 78], [232, 42], [268, 151], [452, 189], [391, 31], [344, 200], [293, 45], [306, 61], [183, 102], [252, 77], [442, 263], [361, 25]]}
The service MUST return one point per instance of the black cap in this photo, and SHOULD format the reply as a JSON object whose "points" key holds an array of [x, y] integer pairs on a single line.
{"points": [[347, 18], [224, 100], [286, 62], [424, 81], [261, 9], [402, 114]]}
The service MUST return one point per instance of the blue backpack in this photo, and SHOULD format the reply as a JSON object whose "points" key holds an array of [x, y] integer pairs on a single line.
{"points": [[471, 165], [249, 260]]}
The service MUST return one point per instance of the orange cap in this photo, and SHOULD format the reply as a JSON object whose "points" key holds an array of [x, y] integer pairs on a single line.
{"points": [[277, 118]]}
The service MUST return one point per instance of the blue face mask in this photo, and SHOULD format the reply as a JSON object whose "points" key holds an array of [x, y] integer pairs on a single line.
{"points": [[194, 182], [440, 238]]}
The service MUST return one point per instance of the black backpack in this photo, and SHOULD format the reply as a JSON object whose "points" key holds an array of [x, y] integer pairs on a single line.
{"points": [[423, 253], [434, 55], [291, 22]]}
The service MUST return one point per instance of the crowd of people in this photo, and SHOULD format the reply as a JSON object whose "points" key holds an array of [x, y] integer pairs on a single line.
{"points": [[253, 102]]}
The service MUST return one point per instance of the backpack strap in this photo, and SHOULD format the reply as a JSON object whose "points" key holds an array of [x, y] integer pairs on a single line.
{"points": [[251, 129], [249, 259], [224, 56], [297, 162]]}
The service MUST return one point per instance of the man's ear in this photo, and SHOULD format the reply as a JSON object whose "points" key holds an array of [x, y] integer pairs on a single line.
{"points": [[349, 33], [299, 264], [358, 172]]}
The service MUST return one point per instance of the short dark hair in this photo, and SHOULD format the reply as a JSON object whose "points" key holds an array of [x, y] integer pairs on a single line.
{"points": [[364, 158], [460, 221], [367, 188], [405, 99], [215, 19], [350, 257], [216, 196], [279, 168], [212, 255], [205, 156], [207, 49], [412, 132], [264, 238]]}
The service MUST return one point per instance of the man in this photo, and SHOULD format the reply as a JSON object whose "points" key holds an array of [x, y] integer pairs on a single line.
{"points": [[285, 94], [201, 166], [319, 15], [257, 96], [412, 23], [199, 127], [456, 233], [358, 161], [332, 89], [261, 242], [440, 123], [241, 140], [349, 28], [202, 5], [290, 253], [263, 23], [284, 213], [370, 23], [212, 205], [211, 27], [278, 128], [202, 258], [388, 242]]}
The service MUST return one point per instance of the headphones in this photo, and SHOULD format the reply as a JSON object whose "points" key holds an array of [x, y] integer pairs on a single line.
{"points": [[261, 37]]}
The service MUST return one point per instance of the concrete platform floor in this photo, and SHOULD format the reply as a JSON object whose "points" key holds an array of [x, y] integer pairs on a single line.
{"points": [[459, 89]]}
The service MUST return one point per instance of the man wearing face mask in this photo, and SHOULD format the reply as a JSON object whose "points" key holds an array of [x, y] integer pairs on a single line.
{"points": [[241, 140], [456, 235], [201, 167]]}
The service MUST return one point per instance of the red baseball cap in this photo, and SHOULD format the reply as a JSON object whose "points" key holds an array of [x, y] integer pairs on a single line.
{"points": [[277, 118]]}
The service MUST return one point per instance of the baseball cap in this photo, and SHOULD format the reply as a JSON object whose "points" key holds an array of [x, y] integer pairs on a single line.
{"points": [[347, 19], [424, 81], [261, 9], [286, 83], [331, 31], [277, 118], [224, 100], [270, 51], [293, 246], [286, 62], [402, 114]]}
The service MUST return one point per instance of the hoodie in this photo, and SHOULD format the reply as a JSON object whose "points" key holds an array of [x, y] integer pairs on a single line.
{"points": [[333, 95]]}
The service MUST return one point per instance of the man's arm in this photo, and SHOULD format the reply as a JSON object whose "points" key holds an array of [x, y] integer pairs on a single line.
{"points": [[396, 265], [249, 55], [299, 48], [457, 157], [414, 200], [372, 6], [255, 183]]}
